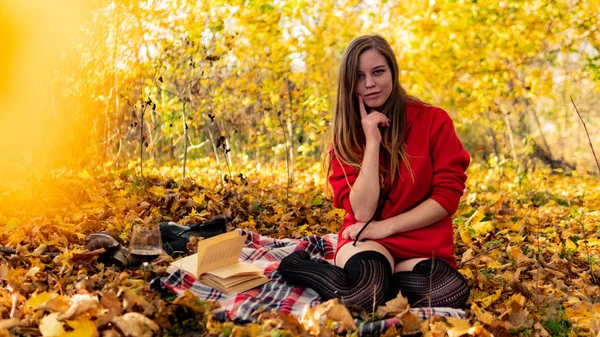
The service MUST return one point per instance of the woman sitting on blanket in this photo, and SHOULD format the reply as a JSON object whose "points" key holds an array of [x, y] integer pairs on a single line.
{"points": [[398, 169]]}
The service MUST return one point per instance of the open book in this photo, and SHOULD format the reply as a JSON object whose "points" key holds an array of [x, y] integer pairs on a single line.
{"points": [[216, 264]]}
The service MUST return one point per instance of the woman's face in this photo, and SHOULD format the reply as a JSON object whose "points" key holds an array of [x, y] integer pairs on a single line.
{"points": [[374, 82]]}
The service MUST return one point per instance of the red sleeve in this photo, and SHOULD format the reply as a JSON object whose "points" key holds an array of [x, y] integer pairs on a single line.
{"points": [[450, 161], [341, 183]]}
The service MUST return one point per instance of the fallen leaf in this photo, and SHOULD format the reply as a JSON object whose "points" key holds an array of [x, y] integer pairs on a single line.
{"points": [[136, 325], [515, 302], [467, 255], [8, 323], [50, 326], [37, 300], [411, 324], [282, 321], [32, 271], [336, 311], [498, 330], [310, 322], [191, 301], [464, 234], [82, 327], [482, 315], [111, 302], [519, 319], [483, 227], [393, 306], [488, 300], [39, 250], [131, 299], [57, 303], [438, 328], [80, 304], [459, 327], [111, 333]]}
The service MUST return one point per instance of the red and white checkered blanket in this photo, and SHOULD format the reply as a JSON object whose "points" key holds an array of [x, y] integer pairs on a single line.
{"points": [[266, 253]]}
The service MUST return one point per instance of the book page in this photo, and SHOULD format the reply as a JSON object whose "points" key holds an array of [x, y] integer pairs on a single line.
{"points": [[219, 251], [188, 264], [237, 286], [239, 268]]}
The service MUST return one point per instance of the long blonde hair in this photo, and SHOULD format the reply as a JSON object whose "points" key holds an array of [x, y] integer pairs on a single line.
{"points": [[348, 141]]}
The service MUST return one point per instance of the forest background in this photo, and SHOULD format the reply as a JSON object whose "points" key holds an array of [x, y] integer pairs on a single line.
{"points": [[239, 94]]}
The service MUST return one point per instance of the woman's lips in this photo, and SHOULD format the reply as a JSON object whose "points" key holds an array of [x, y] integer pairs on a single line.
{"points": [[373, 94]]}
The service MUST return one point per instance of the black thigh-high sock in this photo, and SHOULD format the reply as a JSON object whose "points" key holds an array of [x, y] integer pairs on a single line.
{"points": [[431, 279], [365, 276]]}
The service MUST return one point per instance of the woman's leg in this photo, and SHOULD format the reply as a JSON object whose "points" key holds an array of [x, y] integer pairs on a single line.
{"points": [[430, 282], [364, 279], [407, 265], [348, 250]]}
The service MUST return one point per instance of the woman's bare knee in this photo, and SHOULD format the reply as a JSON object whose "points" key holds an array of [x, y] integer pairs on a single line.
{"points": [[407, 265], [348, 250]]}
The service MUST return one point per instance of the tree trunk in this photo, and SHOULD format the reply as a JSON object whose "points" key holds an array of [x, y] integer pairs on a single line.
{"points": [[510, 136], [185, 141]]}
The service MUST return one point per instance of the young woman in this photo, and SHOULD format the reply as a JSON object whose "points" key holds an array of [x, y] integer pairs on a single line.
{"points": [[398, 169]]}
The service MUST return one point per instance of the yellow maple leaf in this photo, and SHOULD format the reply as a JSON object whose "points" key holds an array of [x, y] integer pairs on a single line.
{"points": [[336, 311], [515, 302], [483, 227], [488, 300], [393, 306], [437, 329], [464, 234], [459, 327], [199, 198], [482, 315], [37, 300], [579, 314], [411, 324], [467, 273], [82, 327], [476, 217], [515, 226], [570, 245], [158, 191], [336, 212]]}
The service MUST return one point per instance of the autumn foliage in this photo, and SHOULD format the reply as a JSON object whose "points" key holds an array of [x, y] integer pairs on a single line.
{"points": [[150, 111]]}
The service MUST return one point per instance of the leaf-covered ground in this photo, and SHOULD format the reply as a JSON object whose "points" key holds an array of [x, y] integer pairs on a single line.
{"points": [[527, 243]]}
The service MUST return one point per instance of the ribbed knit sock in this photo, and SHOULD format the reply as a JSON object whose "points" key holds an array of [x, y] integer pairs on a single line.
{"points": [[365, 276], [433, 279]]}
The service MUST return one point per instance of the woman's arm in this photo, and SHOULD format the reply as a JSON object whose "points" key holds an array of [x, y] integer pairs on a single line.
{"points": [[365, 191], [425, 214]]}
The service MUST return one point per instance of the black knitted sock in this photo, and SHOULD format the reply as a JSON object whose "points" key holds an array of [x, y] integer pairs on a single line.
{"points": [[365, 276], [433, 279]]}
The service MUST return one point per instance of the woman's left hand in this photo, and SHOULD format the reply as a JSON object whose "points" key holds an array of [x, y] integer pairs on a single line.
{"points": [[376, 230]]}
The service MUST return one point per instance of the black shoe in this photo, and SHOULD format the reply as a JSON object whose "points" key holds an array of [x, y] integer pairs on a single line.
{"points": [[175, 237]]}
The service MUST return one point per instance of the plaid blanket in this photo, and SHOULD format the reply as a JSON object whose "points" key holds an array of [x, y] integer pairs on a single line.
{"points": [[266, 252]]}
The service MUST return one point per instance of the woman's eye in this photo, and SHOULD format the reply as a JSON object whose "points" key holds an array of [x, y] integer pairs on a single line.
{"points": [[359, 76], [378, 72]]}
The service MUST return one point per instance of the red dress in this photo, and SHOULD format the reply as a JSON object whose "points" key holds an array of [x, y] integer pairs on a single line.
{"points": [[439, 162]]}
